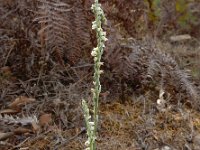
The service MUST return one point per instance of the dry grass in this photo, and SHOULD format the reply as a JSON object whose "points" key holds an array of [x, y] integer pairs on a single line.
{"points": [[137, 124], [129, 126]]}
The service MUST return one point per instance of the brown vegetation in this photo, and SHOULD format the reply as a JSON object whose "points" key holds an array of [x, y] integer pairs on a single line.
{"points": [[150, 84]]}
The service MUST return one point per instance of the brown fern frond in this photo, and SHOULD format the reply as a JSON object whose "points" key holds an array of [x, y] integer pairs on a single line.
{"points": [[53, 21], [54, 26], [165, 66], [25, 120], [145, 64], [58, 52], [79, 40], [64, 28]]}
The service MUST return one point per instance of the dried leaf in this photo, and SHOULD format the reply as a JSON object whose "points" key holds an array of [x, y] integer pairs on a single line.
{"points": [[45, 119], [9, 111], [35, 126], [21, 130], [6, 71], [22, 100], [4, 136]]}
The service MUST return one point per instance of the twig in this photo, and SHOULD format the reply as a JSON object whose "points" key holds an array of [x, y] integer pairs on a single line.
{"points": [[72, 138], [20, 144]]}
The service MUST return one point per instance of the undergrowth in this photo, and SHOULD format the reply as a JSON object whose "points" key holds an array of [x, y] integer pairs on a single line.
{"points": [[45, 53]]}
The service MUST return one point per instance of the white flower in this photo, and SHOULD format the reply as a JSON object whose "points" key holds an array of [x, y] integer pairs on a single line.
{"points": [[94, 25], [91, 123], [100, 63], [92, 89], [103, 45], [92, 7], [92, 128], [104, 39], [99, 29], [96, 49], [100, 71], [94, 53], [87, 143], [95, 59]]}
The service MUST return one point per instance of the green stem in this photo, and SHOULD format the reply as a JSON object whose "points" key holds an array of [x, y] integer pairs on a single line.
{"points": [[97, 54]]}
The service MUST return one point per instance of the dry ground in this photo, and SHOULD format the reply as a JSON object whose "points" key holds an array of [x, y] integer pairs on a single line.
{"points": [[137, 124]]}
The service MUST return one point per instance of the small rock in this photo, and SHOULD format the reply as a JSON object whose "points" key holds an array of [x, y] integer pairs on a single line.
{"points": [[179, 38], [166, 148], [196, 142]]}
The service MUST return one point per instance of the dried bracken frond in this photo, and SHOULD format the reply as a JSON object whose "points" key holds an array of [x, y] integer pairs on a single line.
{"points": [[79, 39], [17, 120], [171, 75], [143, 64], [54, 26], [64, 29]]}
